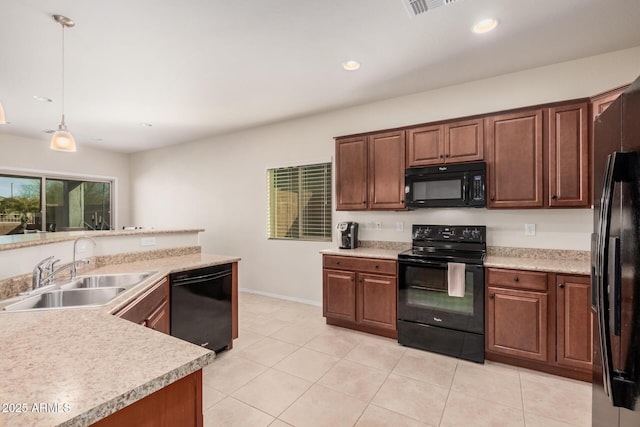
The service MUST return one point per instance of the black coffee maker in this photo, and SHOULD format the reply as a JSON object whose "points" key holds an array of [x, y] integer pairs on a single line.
{"points": [[348, 235]]}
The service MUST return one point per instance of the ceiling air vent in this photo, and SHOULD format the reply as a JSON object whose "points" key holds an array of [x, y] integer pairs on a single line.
{"points": [[418, 7]]}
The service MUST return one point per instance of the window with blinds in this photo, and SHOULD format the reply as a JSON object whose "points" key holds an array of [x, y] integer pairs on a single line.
{"points": [[299, 200]]}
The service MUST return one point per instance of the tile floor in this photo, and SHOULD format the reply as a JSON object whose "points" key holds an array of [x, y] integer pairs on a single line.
{"points": [[289, 368]]}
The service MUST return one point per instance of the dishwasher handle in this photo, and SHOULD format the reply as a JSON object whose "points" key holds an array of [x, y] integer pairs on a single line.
{"points": [[200, 279]]}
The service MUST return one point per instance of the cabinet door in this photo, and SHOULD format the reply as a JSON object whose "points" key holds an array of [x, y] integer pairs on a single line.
{"points": [[351, 173], [514, 160], [376, 304], [159, 319], [386, 170], [425, 146], [339, 294], [517, 323], [464, 141], [574, 321], [568, 156]]}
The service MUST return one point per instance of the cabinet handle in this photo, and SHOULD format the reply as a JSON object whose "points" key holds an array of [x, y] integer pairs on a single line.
{"points": [[364, 202], [446, 155], [337, 262], [561, 285], [554, 197], [376, 266], [516, 279], [493, 199], [441, 156], [491, 296]]}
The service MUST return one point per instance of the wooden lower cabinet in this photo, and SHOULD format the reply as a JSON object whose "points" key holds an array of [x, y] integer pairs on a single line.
{"points": [[151, 309], [539, 321], [360, 293], [177, 404], [517, 323], [573, 307]]}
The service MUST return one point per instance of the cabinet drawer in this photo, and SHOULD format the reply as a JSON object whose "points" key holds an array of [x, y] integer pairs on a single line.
{"points": [[368, 265], [517, 279], [143, 306]]}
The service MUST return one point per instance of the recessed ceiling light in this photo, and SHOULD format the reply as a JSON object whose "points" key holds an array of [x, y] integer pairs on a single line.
{"points": [[146, 125], [42, 98], [484, 25], [351, 65]]}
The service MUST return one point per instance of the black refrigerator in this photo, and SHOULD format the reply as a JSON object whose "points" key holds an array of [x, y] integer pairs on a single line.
{"points": [[615, 263]]}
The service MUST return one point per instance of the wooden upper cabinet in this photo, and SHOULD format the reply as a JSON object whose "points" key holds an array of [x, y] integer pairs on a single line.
{"points": [[370, 172], [351, 173], [449, 143], [514, 154], [386, 170], [464, 141], [425, 146], [568, 156], [602, 101]]}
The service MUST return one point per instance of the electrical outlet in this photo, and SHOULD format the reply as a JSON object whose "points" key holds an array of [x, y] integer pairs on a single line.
{"points": [[148, 241], [529, 229], [378, 225], [400, 226]]}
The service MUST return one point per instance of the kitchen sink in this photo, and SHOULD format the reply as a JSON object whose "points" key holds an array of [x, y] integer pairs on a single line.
{"points": [[123, 280], [66, 298]]}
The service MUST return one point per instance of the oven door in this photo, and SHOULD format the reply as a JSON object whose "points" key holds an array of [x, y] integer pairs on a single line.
{"points": [[423, 296]]}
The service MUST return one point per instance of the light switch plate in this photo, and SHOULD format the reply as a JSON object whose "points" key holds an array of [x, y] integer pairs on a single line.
{"points": [[529, 229]]}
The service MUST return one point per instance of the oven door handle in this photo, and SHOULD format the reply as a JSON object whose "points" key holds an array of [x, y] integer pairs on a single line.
{"points": [[436, 263]]}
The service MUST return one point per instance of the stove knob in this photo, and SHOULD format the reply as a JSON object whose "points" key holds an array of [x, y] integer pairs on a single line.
{"points": [[475, 233], [466, 233]]}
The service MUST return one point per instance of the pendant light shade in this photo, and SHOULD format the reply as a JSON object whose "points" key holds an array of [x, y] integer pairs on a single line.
{"points": [[62, 140], [3, 120]]}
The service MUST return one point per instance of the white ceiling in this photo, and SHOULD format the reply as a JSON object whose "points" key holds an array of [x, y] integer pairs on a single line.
{"points": [[204, 67]]}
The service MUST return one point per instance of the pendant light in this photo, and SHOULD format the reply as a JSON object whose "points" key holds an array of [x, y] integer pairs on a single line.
{"points": [[62, 140]]}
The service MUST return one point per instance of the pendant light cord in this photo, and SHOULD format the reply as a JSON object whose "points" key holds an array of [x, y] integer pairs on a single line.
{"points": [[62, 74]]}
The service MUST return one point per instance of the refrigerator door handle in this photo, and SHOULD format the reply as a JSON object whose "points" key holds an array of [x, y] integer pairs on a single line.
{"points": [[604, 226], [617, 384]]}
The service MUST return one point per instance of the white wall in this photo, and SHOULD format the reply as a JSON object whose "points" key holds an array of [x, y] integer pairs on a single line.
{"points": [[29, 155], [220, 183]]}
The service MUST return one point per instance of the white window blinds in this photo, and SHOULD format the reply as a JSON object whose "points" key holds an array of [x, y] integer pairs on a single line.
{"points": [[299, 202]]}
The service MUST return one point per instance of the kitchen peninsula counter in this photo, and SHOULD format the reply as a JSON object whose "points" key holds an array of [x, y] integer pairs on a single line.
{"points": [[73, 367]]}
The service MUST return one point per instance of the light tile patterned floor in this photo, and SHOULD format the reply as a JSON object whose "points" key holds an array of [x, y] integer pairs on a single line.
{"points": [[288, 368]]}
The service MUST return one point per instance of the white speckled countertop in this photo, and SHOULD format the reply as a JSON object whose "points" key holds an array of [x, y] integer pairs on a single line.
{"points": [[16, 241], [88, 362], [549, 260]]}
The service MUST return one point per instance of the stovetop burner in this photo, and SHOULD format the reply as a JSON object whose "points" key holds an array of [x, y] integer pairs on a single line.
{"points": [[451, 243]]}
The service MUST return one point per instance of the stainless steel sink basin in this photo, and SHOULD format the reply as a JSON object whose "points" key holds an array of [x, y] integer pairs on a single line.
{"points": [[67, 298], [124, 280]]}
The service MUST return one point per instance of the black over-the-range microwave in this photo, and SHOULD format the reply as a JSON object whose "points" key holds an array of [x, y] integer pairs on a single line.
{"points": [[446, 186]]}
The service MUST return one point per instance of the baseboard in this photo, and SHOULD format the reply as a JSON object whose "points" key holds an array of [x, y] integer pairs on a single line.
{"points": [[283, 297]]}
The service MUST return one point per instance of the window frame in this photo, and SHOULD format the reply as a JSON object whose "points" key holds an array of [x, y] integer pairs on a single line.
{"points": [[325, 226], [44, 175]]}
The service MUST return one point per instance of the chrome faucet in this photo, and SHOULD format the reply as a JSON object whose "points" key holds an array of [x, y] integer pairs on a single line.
{"points": [[74, 263], [47, 266], [44, 266]]}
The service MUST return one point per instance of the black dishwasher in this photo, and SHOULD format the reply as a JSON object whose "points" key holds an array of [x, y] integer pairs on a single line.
{"points": [[201, 306]]}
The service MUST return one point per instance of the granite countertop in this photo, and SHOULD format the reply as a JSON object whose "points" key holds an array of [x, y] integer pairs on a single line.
{"points": [[378, 253], [85, 363], [16, 241], [549, 260]]}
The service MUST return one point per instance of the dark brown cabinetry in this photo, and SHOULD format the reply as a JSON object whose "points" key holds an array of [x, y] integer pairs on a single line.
{"points": [[455, 142], [151, 309], [517, 313], [568, 178], [514, 155], [370, 172], [178, 404], [574, 321], [360, 293], [539, 158], [539, 321]]}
